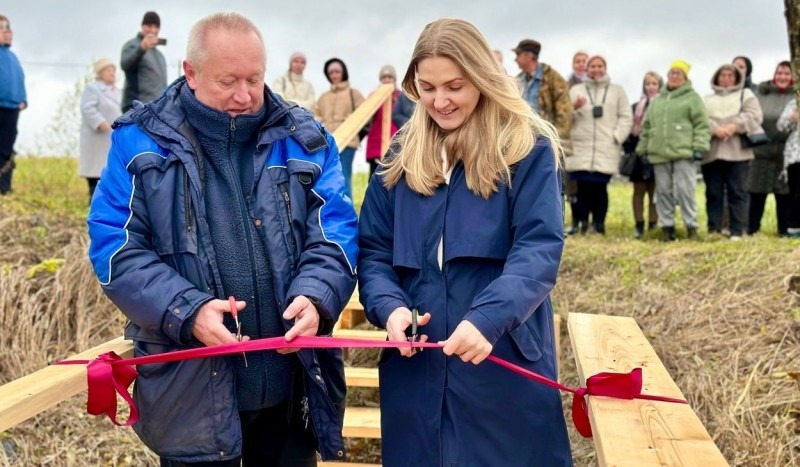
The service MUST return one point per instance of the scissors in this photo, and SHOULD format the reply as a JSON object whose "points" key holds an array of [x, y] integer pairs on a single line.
{"points": [[235, 313], [414, 337]]}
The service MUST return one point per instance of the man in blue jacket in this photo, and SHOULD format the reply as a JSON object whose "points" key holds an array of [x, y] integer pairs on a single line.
{"points": [[220, 188], [12, 100]]}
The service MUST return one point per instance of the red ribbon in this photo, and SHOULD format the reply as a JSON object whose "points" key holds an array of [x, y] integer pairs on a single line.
{"points": [[109, 375]]}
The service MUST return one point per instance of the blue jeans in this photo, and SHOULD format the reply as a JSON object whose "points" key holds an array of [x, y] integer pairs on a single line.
{"points": [[346, 160]]}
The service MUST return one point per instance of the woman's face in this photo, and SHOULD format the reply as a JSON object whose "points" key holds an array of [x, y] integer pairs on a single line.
{"points": [[447, 95], [741, 65], [676, 78], [108, 75], [335, 74], [579, 64], [651, 86], [298, 65], [726, 78], [597, 69], [783, 76]]}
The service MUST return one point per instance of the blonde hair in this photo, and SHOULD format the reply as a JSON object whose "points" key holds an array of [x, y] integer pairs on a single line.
{"points": [[196, 52], [499, 133]]}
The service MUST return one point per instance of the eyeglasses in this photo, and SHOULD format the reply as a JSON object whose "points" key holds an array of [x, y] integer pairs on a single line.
{"points": [[5, 27]]}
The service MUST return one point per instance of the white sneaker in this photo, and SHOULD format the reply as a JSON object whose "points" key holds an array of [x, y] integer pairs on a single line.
{"points": [[735, 238]]}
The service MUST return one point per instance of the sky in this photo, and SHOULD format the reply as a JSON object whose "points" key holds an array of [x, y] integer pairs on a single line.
{"points": [[57, 41]]}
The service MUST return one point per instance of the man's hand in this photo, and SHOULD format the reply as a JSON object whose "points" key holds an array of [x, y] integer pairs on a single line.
{"points": [[208, 327], [22, 106], [104, 127], [468, 343], [306, 320], [399, 320], [579, 102], [149, 41]]}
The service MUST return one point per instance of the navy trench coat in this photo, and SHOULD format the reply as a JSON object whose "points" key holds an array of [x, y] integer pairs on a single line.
{"points": [[500, 261]]}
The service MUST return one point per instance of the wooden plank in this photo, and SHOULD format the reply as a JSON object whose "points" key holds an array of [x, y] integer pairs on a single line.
{"points": [[372, 334], [353, 124], [345, 464], [557, 335], [637, 432], [362, 422], [30, 395], [361, 377]]}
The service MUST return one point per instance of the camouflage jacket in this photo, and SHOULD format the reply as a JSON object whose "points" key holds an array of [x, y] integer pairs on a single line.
{"points": [[554, 103]]}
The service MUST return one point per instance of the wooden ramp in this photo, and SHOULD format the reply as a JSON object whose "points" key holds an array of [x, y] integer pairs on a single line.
{"points": [[637, 432]]}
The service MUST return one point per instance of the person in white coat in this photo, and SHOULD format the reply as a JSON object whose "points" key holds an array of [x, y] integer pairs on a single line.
{"points": [[601, 122], [292, 86], [100, 106]]}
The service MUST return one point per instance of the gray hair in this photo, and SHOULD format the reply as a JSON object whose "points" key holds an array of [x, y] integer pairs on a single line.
{"points": [[196, 53]]}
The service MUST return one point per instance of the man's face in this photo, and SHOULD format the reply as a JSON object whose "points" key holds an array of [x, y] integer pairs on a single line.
{"points": [[524, 59], [148, 29], [5, 33], [232, 77]]}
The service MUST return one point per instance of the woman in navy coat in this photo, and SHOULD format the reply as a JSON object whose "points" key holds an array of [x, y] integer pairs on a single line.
{"points": [[464, 223]]}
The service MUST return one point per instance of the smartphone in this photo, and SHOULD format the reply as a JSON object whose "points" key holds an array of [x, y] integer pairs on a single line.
{"points": [[162, 41]]}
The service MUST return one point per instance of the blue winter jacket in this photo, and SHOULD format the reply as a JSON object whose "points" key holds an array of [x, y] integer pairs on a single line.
{"points": [[151, 251], [12, 86]]}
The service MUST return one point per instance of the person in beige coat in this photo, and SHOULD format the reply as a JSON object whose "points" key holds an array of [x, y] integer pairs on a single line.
{"points": [[601, 122], [292, 86], [333, 108], [100, 106], [733, 111]]}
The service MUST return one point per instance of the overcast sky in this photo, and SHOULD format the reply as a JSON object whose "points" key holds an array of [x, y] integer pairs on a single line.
{"points": [[58, 40]]}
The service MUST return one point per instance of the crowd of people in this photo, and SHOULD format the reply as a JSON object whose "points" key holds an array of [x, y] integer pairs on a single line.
{"points": [[223, 198], [732, 133]]}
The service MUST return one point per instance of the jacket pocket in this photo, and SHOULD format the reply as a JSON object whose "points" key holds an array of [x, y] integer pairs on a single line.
{"points": [[187, 409], [526, 339]]}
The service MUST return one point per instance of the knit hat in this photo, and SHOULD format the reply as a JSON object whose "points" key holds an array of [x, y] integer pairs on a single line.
{"points": [[151, 17], [101, 65], [681, 65], [295, 55], [387, 70]]}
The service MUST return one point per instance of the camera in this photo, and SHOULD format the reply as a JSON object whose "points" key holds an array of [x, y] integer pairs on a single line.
{"points": [[162, 41], [597, 111]]}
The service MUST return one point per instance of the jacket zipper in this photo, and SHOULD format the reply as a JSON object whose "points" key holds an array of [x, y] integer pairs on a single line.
{"points": [[288, 204], [187, 202], [246, 218]]}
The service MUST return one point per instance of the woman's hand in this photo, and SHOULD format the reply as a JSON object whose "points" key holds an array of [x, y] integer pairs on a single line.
{"points": [[396, 326], [579, 102], [468, 343]]}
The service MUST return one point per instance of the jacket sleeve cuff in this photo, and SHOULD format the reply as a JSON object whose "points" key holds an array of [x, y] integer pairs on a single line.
{"points": [[385, 310], [484, 325], [181, 313], [328, 305]]}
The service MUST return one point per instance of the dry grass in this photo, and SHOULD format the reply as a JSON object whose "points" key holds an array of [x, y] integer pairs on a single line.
{"points": [[717, 313]]}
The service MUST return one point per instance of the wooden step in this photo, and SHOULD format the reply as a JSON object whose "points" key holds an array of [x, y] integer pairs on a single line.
{"points": [[362, 422], [636, 432], [372, 334], [361, 377]]}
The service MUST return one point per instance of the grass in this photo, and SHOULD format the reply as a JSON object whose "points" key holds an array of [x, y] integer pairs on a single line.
{"points": [[718, 313]]}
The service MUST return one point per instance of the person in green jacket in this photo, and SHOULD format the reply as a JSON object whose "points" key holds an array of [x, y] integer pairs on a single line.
{"points": [[675, 133]]}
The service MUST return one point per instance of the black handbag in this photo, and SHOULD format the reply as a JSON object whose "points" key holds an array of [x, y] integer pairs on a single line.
{"points": [[756, 138], [628, 163]]}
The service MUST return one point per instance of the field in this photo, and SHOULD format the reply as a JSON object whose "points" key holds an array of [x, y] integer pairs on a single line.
{"points": [[722, 315]]}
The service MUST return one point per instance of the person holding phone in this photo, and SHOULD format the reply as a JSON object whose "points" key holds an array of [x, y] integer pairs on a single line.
{"points": [[144, 66]]}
